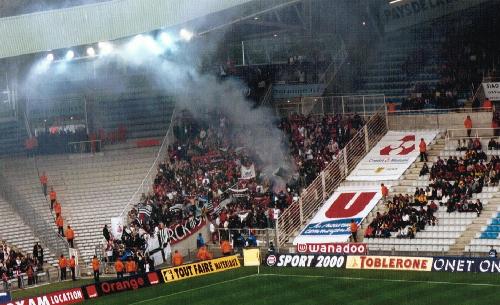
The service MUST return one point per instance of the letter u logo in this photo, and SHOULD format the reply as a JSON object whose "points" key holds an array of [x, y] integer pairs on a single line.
{"points": [[340, 208]]}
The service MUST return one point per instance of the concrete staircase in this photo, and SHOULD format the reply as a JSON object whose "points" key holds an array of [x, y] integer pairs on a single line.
{"points": [[401, 186], [475, 227]]}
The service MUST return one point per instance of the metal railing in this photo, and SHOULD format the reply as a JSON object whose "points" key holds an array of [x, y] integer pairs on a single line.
{"points": [[311, 199], [268, 96], [344, 104], [40, 223], [147, 182], [81, 147]]}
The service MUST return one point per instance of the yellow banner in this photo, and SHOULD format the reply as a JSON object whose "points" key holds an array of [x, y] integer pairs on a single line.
{"points": [[389, 263], [200, 268], [251, 257]]}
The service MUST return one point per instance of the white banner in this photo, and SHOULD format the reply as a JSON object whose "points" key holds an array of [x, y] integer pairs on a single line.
{"points": [[117, 227], [247, 172], [492, 91], [393, 154], [333, 220]]}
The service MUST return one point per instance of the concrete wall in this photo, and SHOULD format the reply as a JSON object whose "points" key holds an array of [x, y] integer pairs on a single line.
{"points": [[442, 121]]}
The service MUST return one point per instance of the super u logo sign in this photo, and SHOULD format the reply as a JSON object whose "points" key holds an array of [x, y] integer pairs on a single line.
{"points": [[405, 146], [345, 207], [335, 216]]}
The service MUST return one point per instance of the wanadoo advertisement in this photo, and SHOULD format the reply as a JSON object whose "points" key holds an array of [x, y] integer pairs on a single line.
{"points": [[333, 248], [332, 222]]}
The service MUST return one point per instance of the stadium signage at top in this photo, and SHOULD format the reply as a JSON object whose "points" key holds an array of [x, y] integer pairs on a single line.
{"points": [[411, 12]]}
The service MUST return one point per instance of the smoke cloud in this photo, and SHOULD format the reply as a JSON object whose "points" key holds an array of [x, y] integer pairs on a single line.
{"points": [[177, 73]]}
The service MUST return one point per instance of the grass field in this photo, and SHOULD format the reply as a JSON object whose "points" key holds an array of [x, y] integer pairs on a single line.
{"points": [[314, 286]]}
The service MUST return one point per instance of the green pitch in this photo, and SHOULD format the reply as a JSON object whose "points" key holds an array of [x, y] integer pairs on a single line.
{"points": [[318, 286]]}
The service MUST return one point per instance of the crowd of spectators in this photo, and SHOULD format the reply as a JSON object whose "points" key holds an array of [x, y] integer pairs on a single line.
{"points": [[404, 217], [317, 140], [202, 177], [453, 181], [72, 139], [14, 265]]}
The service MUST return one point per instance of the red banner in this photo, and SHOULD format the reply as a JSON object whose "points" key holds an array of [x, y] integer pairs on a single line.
{"points": [[333, 248], [147, 143], [62, 297]]}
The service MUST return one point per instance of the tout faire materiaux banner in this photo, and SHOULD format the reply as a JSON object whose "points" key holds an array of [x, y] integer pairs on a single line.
{"points": [[200, 268]]}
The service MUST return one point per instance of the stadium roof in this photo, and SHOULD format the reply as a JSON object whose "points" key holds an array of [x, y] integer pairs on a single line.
{"points": [[103, 21]]}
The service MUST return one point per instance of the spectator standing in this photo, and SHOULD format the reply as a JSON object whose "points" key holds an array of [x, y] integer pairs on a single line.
{"points": [[57, 208], [95, 267], [354, 231], [468, 125], [492, 253], [72, 267], [203, 254], [62, 267], [385, 192], [105, 233], [70, 236], [119, 267], [60, 225], [52, 197], [43, 181], [130, 266], [200, 242], [177, 258], [226, 248], [423, 150]]}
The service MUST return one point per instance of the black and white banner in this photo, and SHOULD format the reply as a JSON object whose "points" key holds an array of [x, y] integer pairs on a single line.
{"points": [[466, 264], [306, 261]]}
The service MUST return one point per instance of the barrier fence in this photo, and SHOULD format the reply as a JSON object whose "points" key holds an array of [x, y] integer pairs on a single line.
{"points": [[346, 104], [311, 199]]}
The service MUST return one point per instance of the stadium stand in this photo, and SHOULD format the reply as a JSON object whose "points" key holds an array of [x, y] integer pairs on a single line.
{"points": [[16, 233], [453, 223], [93, 188], [409, 61]]}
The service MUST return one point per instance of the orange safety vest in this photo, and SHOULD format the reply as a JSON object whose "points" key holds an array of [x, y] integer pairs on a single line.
{"points": [[44, 179], [177, 259], [354, 227], [70, 234], [119, 266], [57, 208], [130, 266], [72, 263], [52, 195], [385, 191], [95, 264], [59, 222], [62, 262], [468, 123], [225, 247], [422, 146]]}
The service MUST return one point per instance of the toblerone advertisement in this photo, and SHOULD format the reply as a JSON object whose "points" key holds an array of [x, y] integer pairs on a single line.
{"points": [[200, 268]]}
